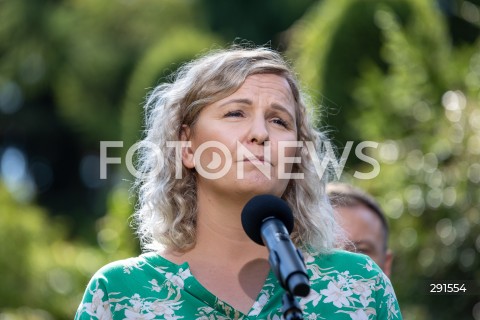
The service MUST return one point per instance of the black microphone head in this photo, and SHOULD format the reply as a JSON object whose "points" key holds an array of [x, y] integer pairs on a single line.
{"points": [[262, 207]]}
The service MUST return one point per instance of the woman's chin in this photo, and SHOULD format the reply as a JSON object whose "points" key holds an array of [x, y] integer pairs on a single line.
{"points": [[262, 186]]}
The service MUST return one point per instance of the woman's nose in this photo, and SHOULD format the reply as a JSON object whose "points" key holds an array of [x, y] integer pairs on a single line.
{"points": [[258, 131]]}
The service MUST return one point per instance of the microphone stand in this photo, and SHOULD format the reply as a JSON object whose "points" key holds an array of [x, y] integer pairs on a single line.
{"points": [[291, 308], [297, 282]]}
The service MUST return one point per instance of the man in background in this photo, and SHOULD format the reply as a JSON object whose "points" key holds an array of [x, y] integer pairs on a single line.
{"points": [[364, 223]]}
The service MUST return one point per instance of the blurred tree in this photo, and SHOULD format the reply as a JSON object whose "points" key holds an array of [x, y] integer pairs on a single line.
{"points": [[101, 44], [28, 118], [64, 70], [261, 22], [463, 19], [158, 62], [43, 273], [417, 95]]}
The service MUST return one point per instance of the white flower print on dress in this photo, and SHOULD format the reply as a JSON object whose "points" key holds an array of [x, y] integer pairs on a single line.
{"points": [[155, 286], [131, 264], [133, 315], [314, 316], [359, 315], [362, 288], [263, 297], [336, 295], [369, 265], [136, 303], [208, 313], [98, 308], [166, 309], [259, 304], [177, 279], [314, 297]]}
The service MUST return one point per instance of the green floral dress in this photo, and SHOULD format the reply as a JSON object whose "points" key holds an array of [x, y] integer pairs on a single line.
{"points": [[343, 286]]}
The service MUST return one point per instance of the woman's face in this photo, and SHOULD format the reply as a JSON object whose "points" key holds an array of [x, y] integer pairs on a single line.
{"points": [[245, 143]]}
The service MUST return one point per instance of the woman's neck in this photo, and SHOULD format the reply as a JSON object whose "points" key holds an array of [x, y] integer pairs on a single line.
{"points": [[220, 231]]}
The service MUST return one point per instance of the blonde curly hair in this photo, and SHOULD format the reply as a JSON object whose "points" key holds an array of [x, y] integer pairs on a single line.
{"points": [[166, 212]]}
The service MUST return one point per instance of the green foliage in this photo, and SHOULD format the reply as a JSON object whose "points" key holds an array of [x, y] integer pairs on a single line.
{"points": [[43, 273], [331, 45], [410, 90], [158, 62], [114, 233], [100, 46], [80, 54], [263, 22]]}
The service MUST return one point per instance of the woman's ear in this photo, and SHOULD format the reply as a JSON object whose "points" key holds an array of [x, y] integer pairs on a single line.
{"points": [[187, 152]]}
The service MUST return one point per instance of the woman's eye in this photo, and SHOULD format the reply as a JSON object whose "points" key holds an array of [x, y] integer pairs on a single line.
{"points": [[281, 122], [234, 114]]}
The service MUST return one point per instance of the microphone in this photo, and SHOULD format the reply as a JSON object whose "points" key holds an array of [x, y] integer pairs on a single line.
{"points": [[268, 221]]}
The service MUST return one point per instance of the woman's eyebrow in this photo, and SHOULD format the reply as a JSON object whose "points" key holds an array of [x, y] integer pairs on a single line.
{"points": [[249, 102], [239, 100], [281, 108]]}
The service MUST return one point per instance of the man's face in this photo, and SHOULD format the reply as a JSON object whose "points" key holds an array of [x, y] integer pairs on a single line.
{"points": [[364, 229]]}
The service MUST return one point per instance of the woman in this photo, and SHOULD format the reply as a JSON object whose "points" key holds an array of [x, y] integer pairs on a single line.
{"points": [[238, 115]]}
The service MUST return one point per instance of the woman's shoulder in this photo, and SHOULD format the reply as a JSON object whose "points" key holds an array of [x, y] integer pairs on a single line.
{"points": [[135, 265], [342, 260], [350, 283], [342, 266]]}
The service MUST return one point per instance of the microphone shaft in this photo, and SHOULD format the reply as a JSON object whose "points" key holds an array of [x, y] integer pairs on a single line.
{"points": [[286, 261]]}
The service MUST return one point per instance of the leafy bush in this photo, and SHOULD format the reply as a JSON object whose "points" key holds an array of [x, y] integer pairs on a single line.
{"points": [[387, 72]]}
